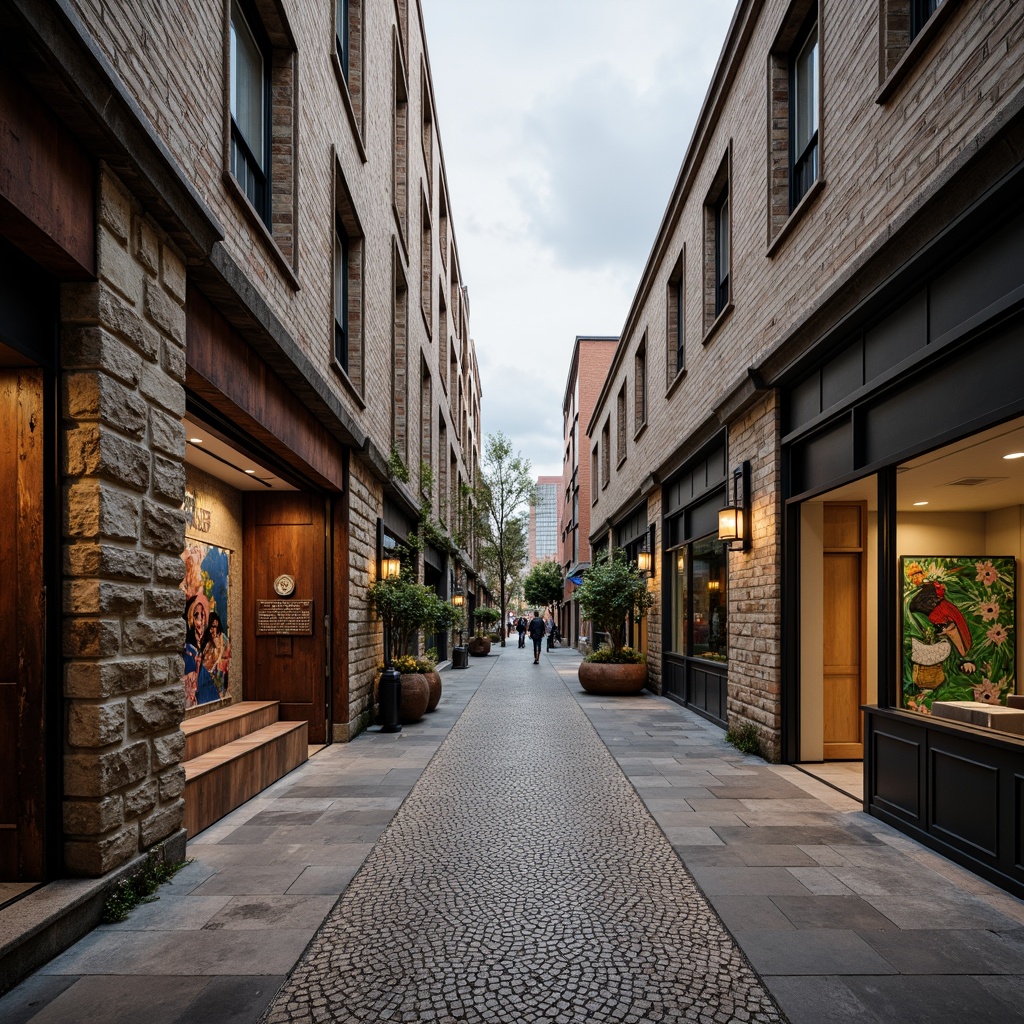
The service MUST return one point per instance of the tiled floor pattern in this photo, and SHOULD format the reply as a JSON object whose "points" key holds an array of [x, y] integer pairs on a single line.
{"points": [[522, 881]]}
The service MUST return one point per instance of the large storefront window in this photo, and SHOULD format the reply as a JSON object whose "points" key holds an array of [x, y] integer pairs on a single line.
{"points": [[958, 541], [700, 600]]}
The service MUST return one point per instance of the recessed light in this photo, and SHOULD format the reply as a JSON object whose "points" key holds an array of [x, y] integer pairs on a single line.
{"points": [[1014, 455], [250, 471], [195, 440], [920, 502]]}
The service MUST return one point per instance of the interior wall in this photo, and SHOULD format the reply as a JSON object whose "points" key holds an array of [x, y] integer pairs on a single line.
{"points": [[224, 505], [941, 533]]}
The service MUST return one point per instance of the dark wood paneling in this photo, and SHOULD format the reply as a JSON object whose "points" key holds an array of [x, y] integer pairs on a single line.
{"points": [[702, 689], [965, 800], [47, 185], [22, 626], [970, 780], [224, 371]]}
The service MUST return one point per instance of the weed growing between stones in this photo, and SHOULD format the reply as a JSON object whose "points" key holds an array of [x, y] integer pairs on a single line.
{"points": [[139, 888], [744, 738]]}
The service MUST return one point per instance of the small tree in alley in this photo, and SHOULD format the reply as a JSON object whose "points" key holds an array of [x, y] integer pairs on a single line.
{"points": [[543, 586], [503, 494]]}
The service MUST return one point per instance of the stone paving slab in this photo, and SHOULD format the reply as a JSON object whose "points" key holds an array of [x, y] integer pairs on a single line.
{"points": [[930, 924], [523, 881]]}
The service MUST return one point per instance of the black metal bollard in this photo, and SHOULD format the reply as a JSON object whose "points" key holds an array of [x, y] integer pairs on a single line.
{"points": [[389, 697]]}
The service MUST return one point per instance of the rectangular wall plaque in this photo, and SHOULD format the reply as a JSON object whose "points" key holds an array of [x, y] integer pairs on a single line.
{"points": [[284, 618]]}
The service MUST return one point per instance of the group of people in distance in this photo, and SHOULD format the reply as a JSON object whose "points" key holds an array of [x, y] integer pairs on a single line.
{"points": [[538, 628]]}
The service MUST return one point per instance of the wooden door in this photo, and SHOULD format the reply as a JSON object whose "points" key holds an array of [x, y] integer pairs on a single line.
{"points": [[843, 622], [286, 534], [22, 625]]}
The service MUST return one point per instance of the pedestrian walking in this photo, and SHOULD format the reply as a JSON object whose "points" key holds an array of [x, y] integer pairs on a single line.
{"points": [[521, 630], [536, 635]]}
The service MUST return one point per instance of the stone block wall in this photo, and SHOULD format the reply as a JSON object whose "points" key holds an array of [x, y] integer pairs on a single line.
{"points": [[122, 468], [755, 578]]}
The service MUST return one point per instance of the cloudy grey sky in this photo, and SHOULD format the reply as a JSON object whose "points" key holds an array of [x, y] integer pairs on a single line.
{"points": [[563, 125]]}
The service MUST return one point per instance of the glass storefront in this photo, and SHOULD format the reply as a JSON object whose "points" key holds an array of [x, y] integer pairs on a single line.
{"points": [[700, 600]]}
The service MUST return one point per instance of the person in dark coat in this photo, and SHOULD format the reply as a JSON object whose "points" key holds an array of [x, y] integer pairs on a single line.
{"points": [[521, 630], [537, 631]]}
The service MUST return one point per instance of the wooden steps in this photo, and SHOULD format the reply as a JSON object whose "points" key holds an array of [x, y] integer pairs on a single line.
{"points": [[234, 753]]}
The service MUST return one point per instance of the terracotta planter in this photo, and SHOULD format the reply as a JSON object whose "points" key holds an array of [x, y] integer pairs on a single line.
{"points": [[479, 646], [415, 694], [612, 679], [434, 683]]}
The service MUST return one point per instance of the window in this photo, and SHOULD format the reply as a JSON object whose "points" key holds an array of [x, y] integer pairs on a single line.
{"points": [[640, 386], [250, 104], [442, 469], [722, 254], [427, 129], [442, 316], [675, 321], [348, 59], [341, 255], [426, 432], [400, 359], [905, 26], [426, 262], [400, 143], [699, 600], [593, 476], [347, 288], [718, 246], [794, 136], [803, 117], [606, 452], [620, 425]]}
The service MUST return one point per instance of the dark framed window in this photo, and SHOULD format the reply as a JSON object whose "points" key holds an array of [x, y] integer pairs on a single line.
{"points": [[723, 253], [341, 34], [341, 324], [640, 385], [700, 599], [250, 64], [920, 12], [803, 116]]}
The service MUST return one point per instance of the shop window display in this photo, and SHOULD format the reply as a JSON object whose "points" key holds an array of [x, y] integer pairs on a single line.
{"points": [[959, 637], [700, 600], [207, 650]]}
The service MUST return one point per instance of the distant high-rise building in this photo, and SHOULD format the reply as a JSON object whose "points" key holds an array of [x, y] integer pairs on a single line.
{"points": [[544, 520]]}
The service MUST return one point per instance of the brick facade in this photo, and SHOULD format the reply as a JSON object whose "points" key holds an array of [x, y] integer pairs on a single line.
{"points": [[893, 141], [184, 268]]}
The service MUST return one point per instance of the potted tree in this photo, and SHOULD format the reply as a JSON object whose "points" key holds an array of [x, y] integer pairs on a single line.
{"points": [[404, 607], [480, 645], [612, 591]]}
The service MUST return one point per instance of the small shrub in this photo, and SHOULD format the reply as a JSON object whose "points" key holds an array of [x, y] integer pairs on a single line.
{"points": [[744, 738], [609, 656], [139, 888]]}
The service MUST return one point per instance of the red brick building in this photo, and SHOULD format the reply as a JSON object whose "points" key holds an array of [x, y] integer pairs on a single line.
{"points": [[591, 358]]}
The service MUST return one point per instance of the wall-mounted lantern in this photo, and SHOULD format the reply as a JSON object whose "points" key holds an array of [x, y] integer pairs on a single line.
{"points": [[734, 517], [390, 567]]}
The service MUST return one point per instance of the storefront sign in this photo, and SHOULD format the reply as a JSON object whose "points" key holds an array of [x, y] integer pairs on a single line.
{"points": [[284, 618]]}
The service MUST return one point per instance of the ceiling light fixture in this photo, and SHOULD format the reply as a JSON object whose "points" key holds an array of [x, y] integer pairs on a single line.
{"points": [[920, 502], [250, 471], [195, 440], [1014, 455]]}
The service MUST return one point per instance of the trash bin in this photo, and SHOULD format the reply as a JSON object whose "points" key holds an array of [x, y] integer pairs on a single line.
{"points": [[460, 657]]}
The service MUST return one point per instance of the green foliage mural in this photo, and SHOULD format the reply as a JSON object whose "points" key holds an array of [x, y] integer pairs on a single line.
{"points": [[958, 629]]}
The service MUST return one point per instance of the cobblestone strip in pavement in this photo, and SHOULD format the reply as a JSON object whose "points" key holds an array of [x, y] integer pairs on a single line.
{"points": [[522, 881], [844, 918]]}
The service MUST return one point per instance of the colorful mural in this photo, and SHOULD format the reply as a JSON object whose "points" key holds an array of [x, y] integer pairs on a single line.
{"points": [[207, 644], [958, 629]]}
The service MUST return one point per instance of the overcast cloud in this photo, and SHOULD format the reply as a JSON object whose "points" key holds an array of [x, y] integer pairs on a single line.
{"points": [[563, 125]]}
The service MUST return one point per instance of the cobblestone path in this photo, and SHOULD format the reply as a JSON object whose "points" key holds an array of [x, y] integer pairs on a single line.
{"points": [[522, 880]]}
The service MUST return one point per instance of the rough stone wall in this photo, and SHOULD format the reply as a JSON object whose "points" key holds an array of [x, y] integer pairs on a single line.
{"points": [[123, 357], [366, 648], [755, 576]]}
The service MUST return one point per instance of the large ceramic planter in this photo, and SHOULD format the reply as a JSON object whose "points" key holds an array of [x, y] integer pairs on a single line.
{"points": [[415, 694], [479, 646], [433, 679], [602, 678]]}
